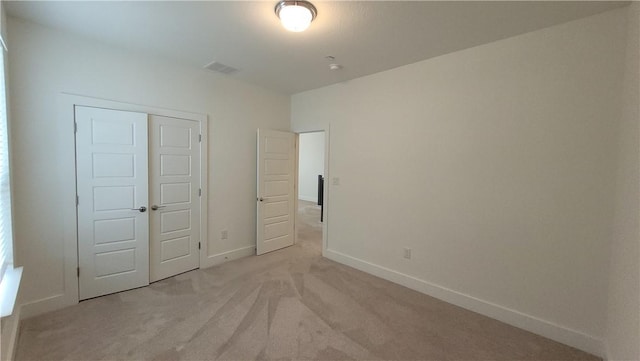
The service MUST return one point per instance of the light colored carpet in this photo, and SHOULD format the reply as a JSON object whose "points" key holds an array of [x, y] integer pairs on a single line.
{"points": [[288, 304]]}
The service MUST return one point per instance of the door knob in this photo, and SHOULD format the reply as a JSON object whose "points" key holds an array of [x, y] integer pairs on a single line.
{"points": [[141, 209], [155, 207]]}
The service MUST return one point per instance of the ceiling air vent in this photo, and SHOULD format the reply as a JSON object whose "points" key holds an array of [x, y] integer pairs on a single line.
{"points": [[220, 68]]}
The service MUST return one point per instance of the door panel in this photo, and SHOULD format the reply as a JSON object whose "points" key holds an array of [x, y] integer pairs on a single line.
{"points": [[175, 184], [175, 193], [111, 156], [276, 166]]}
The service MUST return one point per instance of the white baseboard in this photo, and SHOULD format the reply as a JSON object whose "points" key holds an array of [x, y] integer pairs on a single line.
{"points": [[9, 333], [309, 198], [56, 302], [44, 305], [512, 317], [219, 258]]}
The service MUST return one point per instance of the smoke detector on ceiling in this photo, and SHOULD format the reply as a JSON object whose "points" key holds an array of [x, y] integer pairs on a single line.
{"points": [[220, 68]]}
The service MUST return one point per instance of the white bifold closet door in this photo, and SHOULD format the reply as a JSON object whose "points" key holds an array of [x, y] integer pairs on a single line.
{"points": [[138, 181], [174, 152], [112, 183]]}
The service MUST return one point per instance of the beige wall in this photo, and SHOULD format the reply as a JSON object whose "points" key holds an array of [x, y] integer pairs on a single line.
{"points": [[494, 165], [623, 323], [45, 62]]}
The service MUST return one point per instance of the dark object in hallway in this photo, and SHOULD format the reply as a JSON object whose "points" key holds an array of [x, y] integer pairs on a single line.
{"points": [[321, 196]]}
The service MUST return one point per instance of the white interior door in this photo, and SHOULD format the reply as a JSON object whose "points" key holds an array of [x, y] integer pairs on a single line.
{"points": [[113, 223], [175, 196], [276, 190]]}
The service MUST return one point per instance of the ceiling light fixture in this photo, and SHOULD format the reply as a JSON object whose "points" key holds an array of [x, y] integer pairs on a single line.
{"points": [[296, 15]]}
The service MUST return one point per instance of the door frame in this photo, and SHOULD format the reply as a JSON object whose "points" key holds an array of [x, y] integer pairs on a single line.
{"points": [[327, 187], [66, 135]]}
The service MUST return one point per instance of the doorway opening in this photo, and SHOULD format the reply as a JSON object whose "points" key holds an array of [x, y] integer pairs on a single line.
{"points": [[311, 189]]}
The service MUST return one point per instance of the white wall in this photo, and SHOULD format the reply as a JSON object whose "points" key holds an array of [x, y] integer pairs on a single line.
{"points": [[311, 164], [623, 322], [493, 164], [46, 62]]}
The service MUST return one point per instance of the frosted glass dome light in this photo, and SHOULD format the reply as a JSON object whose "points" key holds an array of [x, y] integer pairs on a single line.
{"points": [[295, 15]]}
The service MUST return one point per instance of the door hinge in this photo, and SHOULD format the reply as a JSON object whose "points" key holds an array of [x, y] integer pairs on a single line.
{"points": [[75, 127], [200, 138], [77, 200], [78, 271], [199, 192], [199, 245]]}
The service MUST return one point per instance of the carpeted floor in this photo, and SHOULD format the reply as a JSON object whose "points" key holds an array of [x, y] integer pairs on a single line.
{"points": [[289, 304]]}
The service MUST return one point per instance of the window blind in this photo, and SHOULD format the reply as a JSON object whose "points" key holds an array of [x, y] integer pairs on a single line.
{"points": [[6, 234]]}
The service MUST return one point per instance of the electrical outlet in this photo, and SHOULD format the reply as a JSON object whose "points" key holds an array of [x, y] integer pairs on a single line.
{"points": [[407, 253], [335, 181], [224, 234]]}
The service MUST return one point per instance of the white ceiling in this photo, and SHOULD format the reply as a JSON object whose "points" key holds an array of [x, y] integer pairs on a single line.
{"points": [[365, 36]]}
